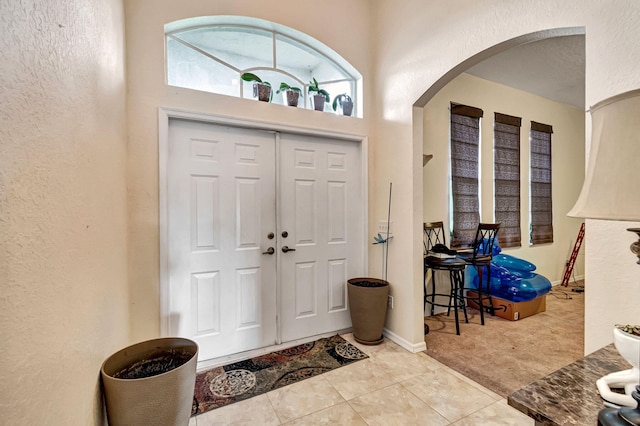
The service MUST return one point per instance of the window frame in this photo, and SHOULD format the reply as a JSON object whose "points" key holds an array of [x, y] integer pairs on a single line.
{"points": [[506, 179], [464, 202], [277, 32], [540, 184]]}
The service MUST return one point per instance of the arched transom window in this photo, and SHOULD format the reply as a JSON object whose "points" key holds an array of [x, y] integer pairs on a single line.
{"points": [[211, 53]]}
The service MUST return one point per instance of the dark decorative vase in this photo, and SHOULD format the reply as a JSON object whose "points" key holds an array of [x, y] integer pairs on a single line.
{"points": [[262, 92], [347, 107], [318, 102], [368, 308], [151, 383], [292, 97]]}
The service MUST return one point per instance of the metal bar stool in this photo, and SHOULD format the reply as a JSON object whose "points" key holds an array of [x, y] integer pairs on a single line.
{"points": [[481, 257], [434, 235]]}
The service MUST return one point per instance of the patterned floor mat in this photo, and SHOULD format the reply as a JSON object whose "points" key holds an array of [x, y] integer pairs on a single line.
{"points": [[238, 381]]}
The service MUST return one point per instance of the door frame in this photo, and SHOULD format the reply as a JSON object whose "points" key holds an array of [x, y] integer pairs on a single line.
{"points": [[165, 114]]}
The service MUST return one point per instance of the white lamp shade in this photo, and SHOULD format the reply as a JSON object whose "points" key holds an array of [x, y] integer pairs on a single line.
{"points": [[610, 189]]}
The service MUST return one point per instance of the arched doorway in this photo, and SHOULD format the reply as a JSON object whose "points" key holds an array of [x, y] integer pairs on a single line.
{"points": [[421, 122]]}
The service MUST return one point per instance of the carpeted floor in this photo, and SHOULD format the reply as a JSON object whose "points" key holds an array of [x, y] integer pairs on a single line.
{"points": [[506, 355], [238, 381]]}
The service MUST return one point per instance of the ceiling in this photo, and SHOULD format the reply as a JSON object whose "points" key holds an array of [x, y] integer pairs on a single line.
{"points": [[552, 68]]}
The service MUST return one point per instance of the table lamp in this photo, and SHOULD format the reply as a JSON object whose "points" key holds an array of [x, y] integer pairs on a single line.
{"points": [[610, 190]]}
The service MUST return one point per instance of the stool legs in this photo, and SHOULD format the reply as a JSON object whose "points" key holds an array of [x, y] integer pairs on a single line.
{"points": [[433, 290], [424, 288], [454, 291], [456, 277], [492, 311], [460, 294], [480, 297], [457, 283]]}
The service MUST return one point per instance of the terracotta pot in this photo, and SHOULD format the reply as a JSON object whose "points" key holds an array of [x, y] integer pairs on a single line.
{"points": [[163, 399], [368, 308]]}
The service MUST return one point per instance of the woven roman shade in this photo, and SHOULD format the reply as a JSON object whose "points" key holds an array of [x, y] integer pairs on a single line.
{"points": [[465, 136], [506, 159], [541, 190]]}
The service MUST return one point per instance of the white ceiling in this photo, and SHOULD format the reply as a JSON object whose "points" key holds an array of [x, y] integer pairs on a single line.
{"points": [[552, 68]]}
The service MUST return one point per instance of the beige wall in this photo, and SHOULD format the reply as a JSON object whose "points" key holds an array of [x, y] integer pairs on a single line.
{"points": [[148, 92], [415, 50], [63, 231], [63, 213], [411, 51], [567, 168]]}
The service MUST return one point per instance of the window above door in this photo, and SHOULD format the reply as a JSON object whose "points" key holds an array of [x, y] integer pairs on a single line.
{"points": [[211, 53]]}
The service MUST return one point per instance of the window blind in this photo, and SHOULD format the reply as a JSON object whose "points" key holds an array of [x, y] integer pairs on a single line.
{"points": [[465, 144], [506, 175], [541, 190]]}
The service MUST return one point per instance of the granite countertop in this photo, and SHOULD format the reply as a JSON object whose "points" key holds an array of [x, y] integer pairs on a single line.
{"points": [[569, 396]]}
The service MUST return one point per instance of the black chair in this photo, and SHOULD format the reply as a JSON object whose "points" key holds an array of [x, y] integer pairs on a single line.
{"points": [[480, 257], [434, 237]]}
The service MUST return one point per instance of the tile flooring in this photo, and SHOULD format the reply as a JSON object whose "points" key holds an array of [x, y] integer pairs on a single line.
{"points": [[391, 387]]}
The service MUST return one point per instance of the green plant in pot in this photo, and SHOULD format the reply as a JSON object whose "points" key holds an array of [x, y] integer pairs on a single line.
{"points": [[345, 103], [291, 94], [320, 97], [261, 89]]}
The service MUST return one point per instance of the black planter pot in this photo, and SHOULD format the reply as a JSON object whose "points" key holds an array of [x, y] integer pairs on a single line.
{"points": [[368, 308]]}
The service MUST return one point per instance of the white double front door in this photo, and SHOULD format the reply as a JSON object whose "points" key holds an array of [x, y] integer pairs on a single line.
{"points": [[264, 229]]}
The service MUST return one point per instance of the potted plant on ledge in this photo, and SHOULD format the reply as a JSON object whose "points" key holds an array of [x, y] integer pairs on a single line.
{"points": [[261, 89], [345, 103], [321, 96], [291, 94]]}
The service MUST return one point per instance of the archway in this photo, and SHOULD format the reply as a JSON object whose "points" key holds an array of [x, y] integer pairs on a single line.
{"points": [[419, 120], [491, 51]]}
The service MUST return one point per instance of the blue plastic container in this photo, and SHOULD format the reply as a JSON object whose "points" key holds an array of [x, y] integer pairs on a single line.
{"points": [[511, 278]]}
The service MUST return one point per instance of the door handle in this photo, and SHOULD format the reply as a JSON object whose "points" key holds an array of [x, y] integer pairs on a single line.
{"points": [[286, 249], [270, 250]]}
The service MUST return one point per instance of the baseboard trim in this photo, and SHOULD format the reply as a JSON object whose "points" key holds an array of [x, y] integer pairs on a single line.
{"points": [[573, 278], [411, 347]]}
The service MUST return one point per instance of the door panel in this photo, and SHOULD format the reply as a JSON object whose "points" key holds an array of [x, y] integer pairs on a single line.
{"points": [[225, 292], [221, 191], [321, 208]]}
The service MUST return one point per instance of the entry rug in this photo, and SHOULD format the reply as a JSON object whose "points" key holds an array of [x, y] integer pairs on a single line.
{"points": [[238, 381]]}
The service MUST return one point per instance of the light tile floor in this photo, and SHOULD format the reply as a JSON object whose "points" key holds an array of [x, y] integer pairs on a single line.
{"points": [[392, 387]]}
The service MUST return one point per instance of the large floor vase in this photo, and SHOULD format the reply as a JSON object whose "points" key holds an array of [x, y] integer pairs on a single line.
{"points": [[368, 307], [151, 383]]}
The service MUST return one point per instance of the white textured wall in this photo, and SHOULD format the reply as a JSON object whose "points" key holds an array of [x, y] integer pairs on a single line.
{"points": [[568, 163], [416, 45], [63, 225], [148, 91], [63, 282]]}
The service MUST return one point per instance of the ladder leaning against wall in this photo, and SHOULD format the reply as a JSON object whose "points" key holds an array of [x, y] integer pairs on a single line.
{"points": [[572, 260]]}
